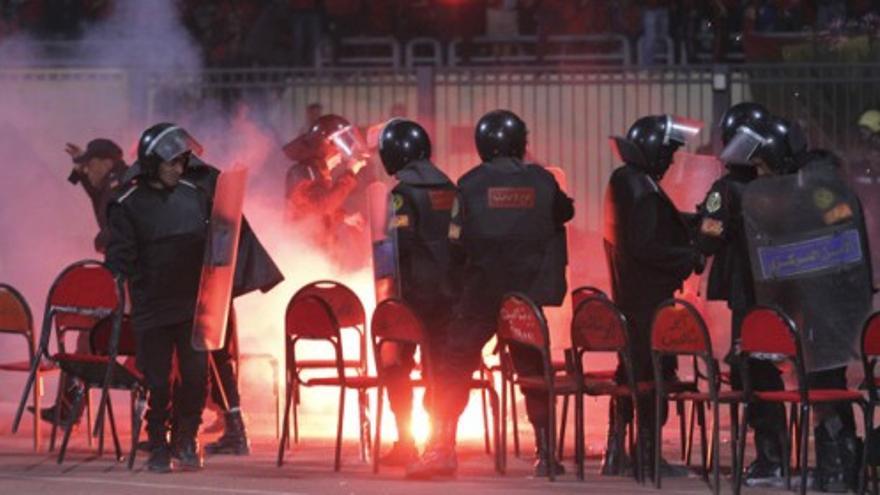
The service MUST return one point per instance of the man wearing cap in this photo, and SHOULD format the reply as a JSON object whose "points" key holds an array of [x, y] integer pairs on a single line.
{"points": [[99, 169]]}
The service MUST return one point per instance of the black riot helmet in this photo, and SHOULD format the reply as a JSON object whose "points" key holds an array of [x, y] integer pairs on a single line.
{"points": [[401, 142], [774, 141], [741, 114], [162, 143], [652, 141], [500, 133]]}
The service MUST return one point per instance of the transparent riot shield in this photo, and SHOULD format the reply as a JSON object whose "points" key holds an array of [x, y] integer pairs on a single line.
{"points": [[218, 269], [808, 251], [384, 242]]}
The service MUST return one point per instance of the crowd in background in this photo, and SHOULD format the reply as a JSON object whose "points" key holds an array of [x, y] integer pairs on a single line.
{"points": [[286, 32]]}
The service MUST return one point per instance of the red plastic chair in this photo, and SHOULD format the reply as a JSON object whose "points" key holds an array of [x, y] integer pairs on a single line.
{"points": [[350, 315], [310, 317], [84, 293], [16, 319], [678, 329], [598, 326], [395, 322], [507, 382], [521, 322], [870, 355], [109, 340], [768, 331]]}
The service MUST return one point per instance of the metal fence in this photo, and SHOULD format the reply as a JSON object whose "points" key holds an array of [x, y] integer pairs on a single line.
{"points": [[571, 112]]}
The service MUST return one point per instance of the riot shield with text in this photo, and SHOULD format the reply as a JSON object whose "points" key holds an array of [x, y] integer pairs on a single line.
{"points": [[384, 241], [808, 251], [218, 268]]}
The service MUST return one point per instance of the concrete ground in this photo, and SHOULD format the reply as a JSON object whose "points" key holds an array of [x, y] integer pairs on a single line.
{"points": [[308, 469]]}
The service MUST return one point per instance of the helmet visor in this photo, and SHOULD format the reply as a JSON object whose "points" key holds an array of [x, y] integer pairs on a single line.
{"points": [[173, 142], [349, 142], [742, 147], [681, 129]]}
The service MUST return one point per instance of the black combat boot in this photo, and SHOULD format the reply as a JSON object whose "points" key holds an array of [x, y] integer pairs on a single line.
{"points": [[160, 452], [439, 460], [186, 445], [830, 473], [48, 414], [234, 440], [615, 461], [544, 459], [766, 469]]}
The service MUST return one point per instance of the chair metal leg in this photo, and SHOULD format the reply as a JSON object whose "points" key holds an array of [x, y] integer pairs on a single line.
{"points": [[740, 454], [680, 410], [89, 422], [804, 443], [793, 432], [704, 446], [868, 412], [691, 421], [285, 433], [62, 385], [116, 447], [137, 411], [363, 427], [486, 441], [786, 441], [38, 391], [579, 435], [377, 445], [562, 424], [734, 439], [516, 450], [551, 439], [337, 463], [658, 439], [75, 410], [296, 397], [716, 449], [504, 412], [498, 440]]}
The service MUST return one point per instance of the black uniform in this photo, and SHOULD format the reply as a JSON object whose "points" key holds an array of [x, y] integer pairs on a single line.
{"points": [[506, 234], [731, 280], [649, 255], [157, 242], [422, 201], [101, 197]]}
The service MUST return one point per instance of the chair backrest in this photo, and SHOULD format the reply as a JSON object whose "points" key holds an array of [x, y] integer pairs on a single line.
{"points": [[678, 328], [346, 305], [871, 336], [15, 315], [99, 338], [871, 352], [767, 330], [81, 295], [394, 320], [520, 321], [598, 326], [310, 317], [581, 293]]}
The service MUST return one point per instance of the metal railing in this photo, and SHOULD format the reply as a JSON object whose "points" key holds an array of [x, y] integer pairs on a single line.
{"points": [[571, 111]]}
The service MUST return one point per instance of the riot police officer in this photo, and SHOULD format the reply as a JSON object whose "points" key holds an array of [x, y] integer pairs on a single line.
{"points": [[326, 161], [506, 231], [722, 236], [422, 205], [650, 254], [828, 306], [158, 229]]}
